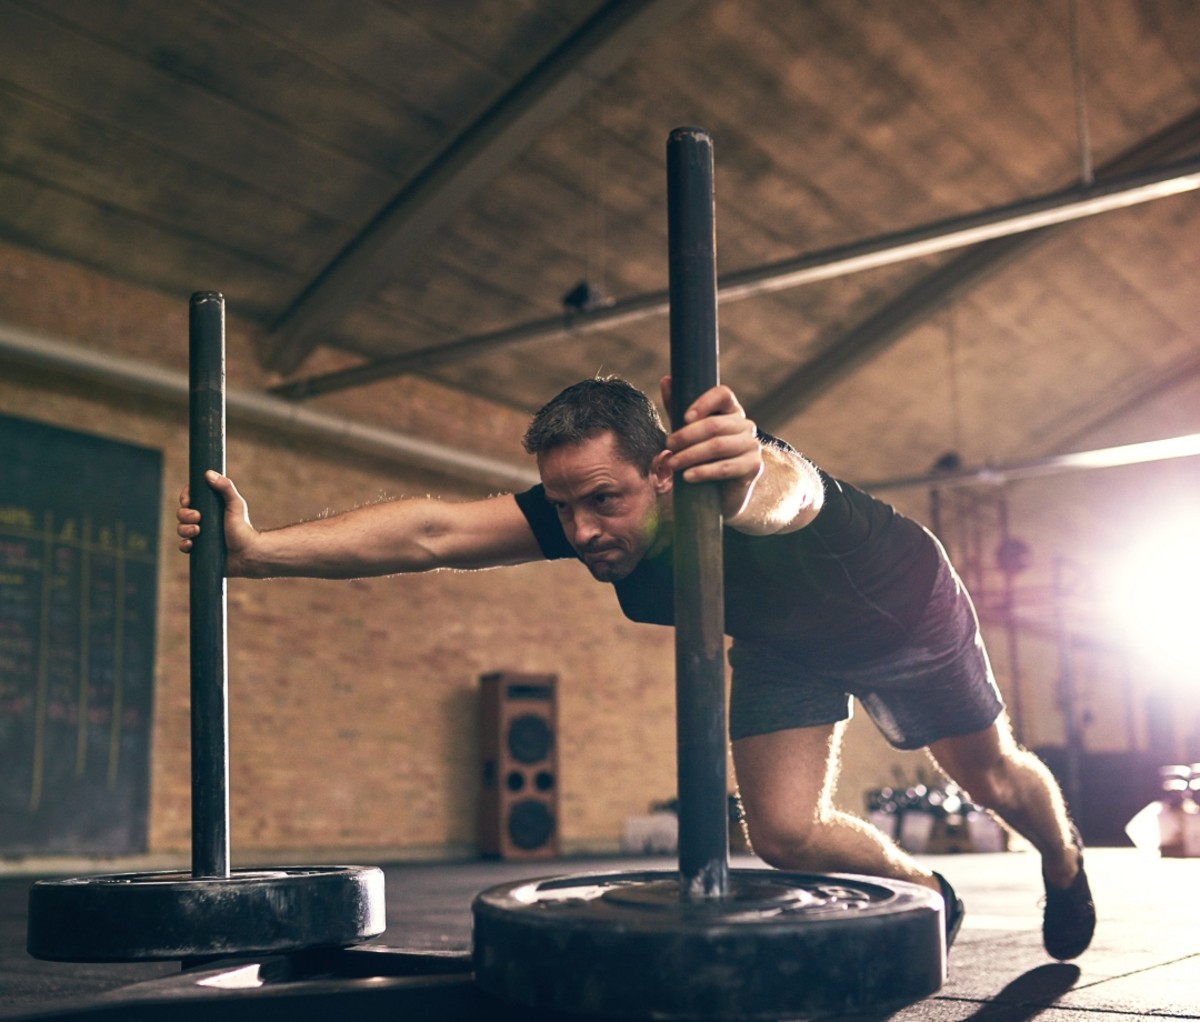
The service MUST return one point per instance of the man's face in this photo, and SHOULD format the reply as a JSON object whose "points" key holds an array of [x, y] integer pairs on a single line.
{"points": [[609, 510]]}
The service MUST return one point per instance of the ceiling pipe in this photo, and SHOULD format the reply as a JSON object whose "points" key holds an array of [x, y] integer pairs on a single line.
{"points": [[945, 235], [996, 475], [842, 351], [251, 408]]}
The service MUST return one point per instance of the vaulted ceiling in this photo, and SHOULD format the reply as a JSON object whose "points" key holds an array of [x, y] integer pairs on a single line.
{"points": [[391, 187]]}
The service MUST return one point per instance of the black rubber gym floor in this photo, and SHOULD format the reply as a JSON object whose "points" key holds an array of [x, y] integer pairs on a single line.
{"points": [[1143, 964]]}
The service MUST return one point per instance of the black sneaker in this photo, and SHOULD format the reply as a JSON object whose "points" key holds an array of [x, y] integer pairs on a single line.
{"points": [[1070, 918], [954, 909]]}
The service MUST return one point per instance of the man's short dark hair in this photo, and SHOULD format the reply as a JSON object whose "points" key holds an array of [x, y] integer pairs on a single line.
{"points": [[603, 404]]}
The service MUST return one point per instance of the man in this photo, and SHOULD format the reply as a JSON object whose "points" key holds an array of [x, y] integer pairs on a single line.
{"points": [[829, 594]]}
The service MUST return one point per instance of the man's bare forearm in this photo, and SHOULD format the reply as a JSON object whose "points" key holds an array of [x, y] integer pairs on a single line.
{"points": [[379, 539], [787, 495]]}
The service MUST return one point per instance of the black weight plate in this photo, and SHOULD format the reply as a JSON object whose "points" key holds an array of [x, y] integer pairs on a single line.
{"points": [[779, 945], [128, 917]]}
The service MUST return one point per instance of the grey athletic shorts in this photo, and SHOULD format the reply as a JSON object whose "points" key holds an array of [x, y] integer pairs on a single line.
{"points": [[938, 685]]}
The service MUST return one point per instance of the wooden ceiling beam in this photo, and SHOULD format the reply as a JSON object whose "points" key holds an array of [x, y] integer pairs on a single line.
{"points": [[464, 167]]}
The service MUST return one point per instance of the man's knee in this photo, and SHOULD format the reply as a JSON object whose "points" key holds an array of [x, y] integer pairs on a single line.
{"points": [[785, 843]]}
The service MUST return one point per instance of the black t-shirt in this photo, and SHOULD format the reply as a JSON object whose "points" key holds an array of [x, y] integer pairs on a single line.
{"points": [[848, 587]]}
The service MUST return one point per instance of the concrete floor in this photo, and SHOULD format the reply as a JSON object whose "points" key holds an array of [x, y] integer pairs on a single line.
{"points": [[1144, 962]]}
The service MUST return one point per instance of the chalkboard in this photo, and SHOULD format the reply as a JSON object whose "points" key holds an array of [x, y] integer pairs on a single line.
{"points": [[79, 520]]}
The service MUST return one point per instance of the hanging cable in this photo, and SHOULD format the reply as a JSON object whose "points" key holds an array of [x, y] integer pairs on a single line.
{"points": [[956, 426], [598, 268], [1086, 175], [591, 293]]}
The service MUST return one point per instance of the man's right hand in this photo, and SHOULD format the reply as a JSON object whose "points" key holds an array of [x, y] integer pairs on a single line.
{"points": [[239, 533]]}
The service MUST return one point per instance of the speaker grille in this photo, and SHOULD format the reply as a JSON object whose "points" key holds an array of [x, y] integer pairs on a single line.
{"points": [[530, 824], [529, 738]]}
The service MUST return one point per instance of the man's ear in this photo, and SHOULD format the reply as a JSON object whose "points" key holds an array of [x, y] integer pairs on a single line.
{"points": [[661, 476]]}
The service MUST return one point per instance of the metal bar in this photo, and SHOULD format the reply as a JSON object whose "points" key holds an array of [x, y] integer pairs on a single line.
{"points": [[632, 310], [958, 232], [1010, 568], [1186, 446], [209, 693], [1072, 780], [942, 236], [843, 352], [252, 408], [467, 165], [699, 568]]}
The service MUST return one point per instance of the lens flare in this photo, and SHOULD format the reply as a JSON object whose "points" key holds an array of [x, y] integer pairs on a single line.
{"points": [[1153, 600]]}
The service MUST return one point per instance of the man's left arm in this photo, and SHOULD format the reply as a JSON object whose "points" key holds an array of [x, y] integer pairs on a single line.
{"points": [[766, 489]]}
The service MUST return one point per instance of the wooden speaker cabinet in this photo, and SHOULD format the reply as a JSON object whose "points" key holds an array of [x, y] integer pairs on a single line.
{"points": [[518, 804]]}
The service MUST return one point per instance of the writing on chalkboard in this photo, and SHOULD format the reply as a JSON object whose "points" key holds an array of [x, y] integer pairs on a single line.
{"points": [[79, 517]]}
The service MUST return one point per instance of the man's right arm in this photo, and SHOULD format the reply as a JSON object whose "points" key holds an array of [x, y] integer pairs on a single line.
{"points": [[385, 538]]}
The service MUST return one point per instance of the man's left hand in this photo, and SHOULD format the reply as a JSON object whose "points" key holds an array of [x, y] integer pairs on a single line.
{"points": [[716, 443]]}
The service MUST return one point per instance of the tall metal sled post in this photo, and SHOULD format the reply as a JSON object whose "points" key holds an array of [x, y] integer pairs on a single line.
{"points": [[699, 568]]}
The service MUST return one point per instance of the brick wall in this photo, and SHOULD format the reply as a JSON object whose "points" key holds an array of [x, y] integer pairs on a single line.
{"points": [[353, 704]]}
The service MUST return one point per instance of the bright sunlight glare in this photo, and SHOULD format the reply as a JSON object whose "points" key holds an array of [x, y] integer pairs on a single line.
{"points": [[1153, 597]]}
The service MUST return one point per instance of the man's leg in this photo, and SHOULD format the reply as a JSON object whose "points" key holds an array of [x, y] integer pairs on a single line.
{"points": [[786, 781], [1003, 777], [1017, 786]]}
